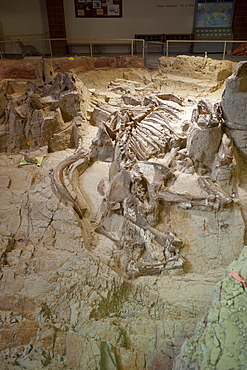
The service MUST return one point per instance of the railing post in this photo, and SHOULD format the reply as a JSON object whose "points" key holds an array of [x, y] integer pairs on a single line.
{"points": [[50, 48], [167, 54], [91, 49], [224, 51], [143, 49], [132, 47]]}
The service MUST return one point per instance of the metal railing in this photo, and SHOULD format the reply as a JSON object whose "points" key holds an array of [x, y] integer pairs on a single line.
{"points": [[215, 49], [60, 47], [10, 49], [150, 51], [223, 47]]}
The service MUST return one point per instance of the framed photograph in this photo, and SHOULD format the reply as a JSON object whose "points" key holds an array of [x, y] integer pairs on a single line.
{"points": [[88, 7], [99, 11], [96, 4], [109, 2], [113, 10]]}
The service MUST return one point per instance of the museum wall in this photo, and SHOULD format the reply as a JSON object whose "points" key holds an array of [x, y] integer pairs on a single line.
{"points": [[23, 17], [139, 17]]}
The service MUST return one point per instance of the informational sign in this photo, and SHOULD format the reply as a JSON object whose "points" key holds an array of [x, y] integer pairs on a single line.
{"points": [[214, 14], [164, 4], [98, 9], [213, 21]]}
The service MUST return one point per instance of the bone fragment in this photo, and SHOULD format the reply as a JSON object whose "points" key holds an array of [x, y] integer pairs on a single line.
{"points": [[160, 238], [225, 155], [101, 230]]}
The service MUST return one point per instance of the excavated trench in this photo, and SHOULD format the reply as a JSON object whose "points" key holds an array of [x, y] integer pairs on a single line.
{"points": [[122, 204]]}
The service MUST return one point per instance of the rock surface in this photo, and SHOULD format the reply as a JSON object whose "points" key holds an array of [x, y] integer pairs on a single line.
{"points": [[219, 338], [66, 296], [27, 69], [234, 108], [196, 67], [50, 112], [61, 304]]}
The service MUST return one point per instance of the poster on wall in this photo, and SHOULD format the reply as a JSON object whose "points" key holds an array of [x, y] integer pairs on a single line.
{"points": [[98, 9], [214, 13]]}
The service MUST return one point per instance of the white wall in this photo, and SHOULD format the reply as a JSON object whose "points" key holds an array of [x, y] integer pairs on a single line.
{"points": [[139, 16], [22, 17]]}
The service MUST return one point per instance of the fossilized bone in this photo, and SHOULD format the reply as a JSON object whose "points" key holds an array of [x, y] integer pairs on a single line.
{"points": [[139, 186], [156, 144], [61, 83], [101, 230], [162, 239], [207, 184], [125, 191], [188, 200], [206, 114], [145, 268], [44, 71], [145, 264], [59, 181], [225, 155]]}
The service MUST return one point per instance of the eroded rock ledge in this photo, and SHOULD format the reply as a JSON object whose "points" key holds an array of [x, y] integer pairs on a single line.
{"points": [[20, 69]]}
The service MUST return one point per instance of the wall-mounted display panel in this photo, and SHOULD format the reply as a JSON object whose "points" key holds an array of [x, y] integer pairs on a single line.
{"points": [[213, 21], [98, 9], [211, 14]]}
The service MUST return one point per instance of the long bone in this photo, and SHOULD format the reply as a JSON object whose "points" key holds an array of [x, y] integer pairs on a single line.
{"points": [[143, 136], [163, 113], [155, 131], [168, 104], [168, 110], [147, 131], [141, 265], [159, 140], [101, 230], [207, 184], [143, 145], [168, 196], [137, 151], [155, 144], [140, 147], [159, 237], [59, 181], [156, 121], [163, 124]]}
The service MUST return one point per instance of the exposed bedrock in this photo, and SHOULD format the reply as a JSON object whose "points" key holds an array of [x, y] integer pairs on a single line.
{"points": [[219, 338], [196, 67], [52, 111], [234, 107], [110, 249], [204, 136], [28, 69]]}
